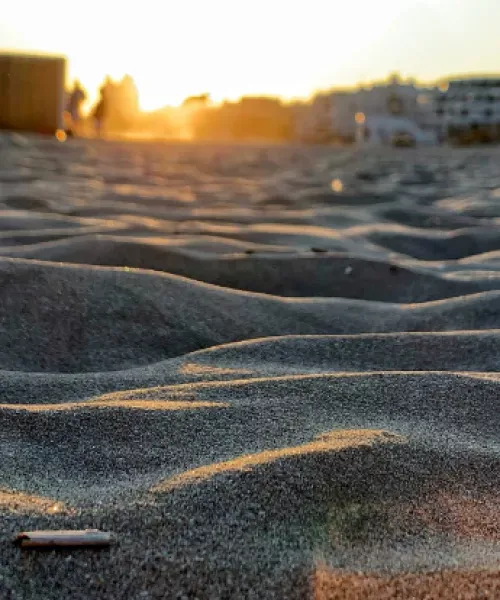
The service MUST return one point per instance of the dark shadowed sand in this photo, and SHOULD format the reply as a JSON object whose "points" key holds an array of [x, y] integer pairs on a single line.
{"points": [[265, 388]]}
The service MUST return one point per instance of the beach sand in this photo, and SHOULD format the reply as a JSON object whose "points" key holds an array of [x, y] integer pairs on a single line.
{"points": [[264, 387]]}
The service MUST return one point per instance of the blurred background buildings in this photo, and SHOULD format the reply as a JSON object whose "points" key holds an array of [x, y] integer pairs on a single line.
{"points": [[34, 97]]}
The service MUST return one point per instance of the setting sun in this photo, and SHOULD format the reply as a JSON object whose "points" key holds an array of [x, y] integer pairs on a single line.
{"points": [[180, 48], [217, 48], [228, 49]]}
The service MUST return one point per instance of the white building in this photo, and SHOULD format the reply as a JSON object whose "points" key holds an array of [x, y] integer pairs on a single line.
{"points": [[470, 106], [391, 107], [386, 129]]}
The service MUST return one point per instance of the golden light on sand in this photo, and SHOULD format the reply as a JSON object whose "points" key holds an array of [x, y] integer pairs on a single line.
{"points": [[205, 370], [108, 402], [333, 584], [14, 501], [332, 441]]}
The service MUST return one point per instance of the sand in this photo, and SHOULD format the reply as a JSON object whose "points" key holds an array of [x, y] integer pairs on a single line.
{"points": [[264, 387]]}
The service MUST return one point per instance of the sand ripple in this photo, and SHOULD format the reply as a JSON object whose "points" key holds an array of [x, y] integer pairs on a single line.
{"points": [[267, 386]]}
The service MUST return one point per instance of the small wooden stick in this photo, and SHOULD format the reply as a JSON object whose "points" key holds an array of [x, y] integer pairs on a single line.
{"points": [[64, 539]]}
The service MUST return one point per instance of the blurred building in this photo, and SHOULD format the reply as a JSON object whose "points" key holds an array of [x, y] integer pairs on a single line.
{"points": [[313, 121], [32, 94], [469, 109], [196, 101], [393, 104], [251, 118]]}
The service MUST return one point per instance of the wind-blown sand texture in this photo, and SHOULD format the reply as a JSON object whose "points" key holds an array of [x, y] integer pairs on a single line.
{"points": [[265, 388]]}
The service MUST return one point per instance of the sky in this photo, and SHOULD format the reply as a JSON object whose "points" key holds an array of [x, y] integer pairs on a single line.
{"points": [[229, 48]]}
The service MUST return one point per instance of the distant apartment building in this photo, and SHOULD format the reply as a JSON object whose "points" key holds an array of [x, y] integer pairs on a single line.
{"points": [[251, 118], [469, 109], [384, 107], [313, 121]]}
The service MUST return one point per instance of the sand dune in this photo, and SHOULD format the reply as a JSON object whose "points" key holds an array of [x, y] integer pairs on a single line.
{"points": [[265, 388]]}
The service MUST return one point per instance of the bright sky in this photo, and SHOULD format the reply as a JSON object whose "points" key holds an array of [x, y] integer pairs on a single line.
{"points": [[174, 48]]}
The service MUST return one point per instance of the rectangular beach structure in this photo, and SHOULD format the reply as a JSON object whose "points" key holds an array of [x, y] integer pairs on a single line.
{"points": [[32, 94]]}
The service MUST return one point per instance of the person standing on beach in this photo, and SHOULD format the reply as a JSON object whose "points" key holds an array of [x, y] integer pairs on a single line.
{"points": [[101, 110], [76, 99]]}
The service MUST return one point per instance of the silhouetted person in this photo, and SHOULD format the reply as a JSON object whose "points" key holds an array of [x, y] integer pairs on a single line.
{"points": [[76, 99], [101, 110]]}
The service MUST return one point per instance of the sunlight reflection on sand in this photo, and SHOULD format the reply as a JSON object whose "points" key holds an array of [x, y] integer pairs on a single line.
{"points": [[332, 441]]}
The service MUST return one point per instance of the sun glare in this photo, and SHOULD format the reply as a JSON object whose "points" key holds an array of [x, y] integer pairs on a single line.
{"points": [[225, 51], [178, 49]]}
